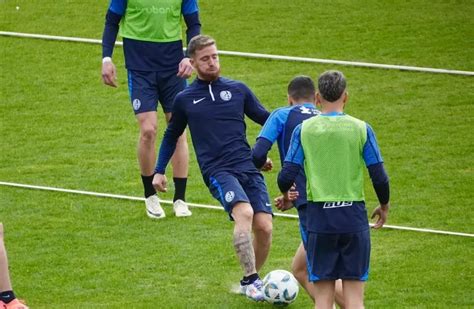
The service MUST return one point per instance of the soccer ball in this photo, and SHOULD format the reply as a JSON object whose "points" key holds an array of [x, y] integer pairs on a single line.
{"points": [[280, 287]]}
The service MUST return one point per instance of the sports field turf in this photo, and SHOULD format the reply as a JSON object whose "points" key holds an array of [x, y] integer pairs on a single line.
{"points": [[61, 127]]}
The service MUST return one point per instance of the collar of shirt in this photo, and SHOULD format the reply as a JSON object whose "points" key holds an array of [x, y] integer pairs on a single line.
{"points": [[333, 114], [205, 82]]}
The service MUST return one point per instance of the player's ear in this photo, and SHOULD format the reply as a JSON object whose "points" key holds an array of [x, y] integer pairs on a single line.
{"points": [[191, 61], [318, 98], [289, 99], [345, 99]]}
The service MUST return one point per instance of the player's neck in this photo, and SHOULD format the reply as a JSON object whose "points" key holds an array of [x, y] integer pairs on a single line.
{"points": [[301, 103], [208, 79], [332, 107]]}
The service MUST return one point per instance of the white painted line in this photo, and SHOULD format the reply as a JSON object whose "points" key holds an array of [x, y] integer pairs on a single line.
{"points": [[133, 198], [262, 56]]}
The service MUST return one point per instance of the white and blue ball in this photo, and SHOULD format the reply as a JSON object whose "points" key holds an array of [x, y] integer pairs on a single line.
{"points": [[280, 287]]}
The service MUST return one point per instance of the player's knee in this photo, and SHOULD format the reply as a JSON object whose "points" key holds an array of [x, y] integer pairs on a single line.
{"points": [[299, 271], [246, 214], [148, 133], [264, 228], [242, 212]]}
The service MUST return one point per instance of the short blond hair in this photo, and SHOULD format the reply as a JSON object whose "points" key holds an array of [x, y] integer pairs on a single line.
{"points": [[199, 42]]}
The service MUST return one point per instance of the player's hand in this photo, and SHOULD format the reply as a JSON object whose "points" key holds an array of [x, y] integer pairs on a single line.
{"points": [[267, 166], [160, 182], [285, 201], [109, 73], [382, 213], [292, 194], [185, 69], [282, 204]]}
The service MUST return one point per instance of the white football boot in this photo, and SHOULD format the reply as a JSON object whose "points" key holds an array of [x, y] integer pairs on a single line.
{"points": [[181, 209], [153, 207], [255, 290]]}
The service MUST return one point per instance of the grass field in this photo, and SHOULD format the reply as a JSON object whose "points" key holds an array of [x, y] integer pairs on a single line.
{"points": [[60, 127]]}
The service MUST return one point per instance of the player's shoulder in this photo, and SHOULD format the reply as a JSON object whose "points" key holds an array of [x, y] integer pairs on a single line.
{"points": [[277, 118], [184, 94], [237, 84], [354, 119], [281, 112]]}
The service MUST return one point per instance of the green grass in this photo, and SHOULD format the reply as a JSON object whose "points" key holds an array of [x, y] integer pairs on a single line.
{"points": [[60, 127]]}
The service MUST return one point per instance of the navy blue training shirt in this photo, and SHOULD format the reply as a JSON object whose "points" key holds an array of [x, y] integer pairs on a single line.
{"points": [[215, 112], [279, 127]]}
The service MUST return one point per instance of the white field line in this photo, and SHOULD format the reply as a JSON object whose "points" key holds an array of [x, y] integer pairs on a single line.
{"points": [[262, 56], [133, 198]]}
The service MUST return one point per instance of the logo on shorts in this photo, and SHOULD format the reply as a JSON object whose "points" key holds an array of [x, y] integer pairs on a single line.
{"points": [[229, 196], [136, 104], [226, 95], [337, 204]]}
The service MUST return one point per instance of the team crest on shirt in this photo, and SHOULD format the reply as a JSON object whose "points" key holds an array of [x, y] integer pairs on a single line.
{"points": [[226, 95], [136, 104], [229, 196]]}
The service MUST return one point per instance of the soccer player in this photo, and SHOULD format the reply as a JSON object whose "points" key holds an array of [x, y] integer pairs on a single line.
{"points": [[279, 127], [157, 71], [214, 108], [333, 148], [7, 297]]}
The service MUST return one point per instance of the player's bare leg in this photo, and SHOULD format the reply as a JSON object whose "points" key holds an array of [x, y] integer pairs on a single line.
{"points": [[7, 297], [324, 294], [146, 159], [262, 229], [5, 284], [339, 295], [180, 164], [146, 143], [353, 293], [300, 271], [242, 213]]}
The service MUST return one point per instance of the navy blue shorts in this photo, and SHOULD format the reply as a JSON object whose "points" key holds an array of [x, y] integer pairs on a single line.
{"points": [[338, 256], [230, 188], [302, 214], [147, 88]]}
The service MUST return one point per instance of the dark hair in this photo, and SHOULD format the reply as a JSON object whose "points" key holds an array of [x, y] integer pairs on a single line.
{"points": [[199, 42], [332, 85], [301, 87]]}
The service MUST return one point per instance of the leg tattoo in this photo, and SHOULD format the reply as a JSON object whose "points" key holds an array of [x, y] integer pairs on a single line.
{"points": [[244, 249]]}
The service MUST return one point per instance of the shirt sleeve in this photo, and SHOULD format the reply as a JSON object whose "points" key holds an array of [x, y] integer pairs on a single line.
{"points": [[189, 7], [295, 152], [112, 20], [260, 152], [274, 125], [294, 161], [193, 26], [371, 151], [380, 181], [253, 108], [176, 126]]}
